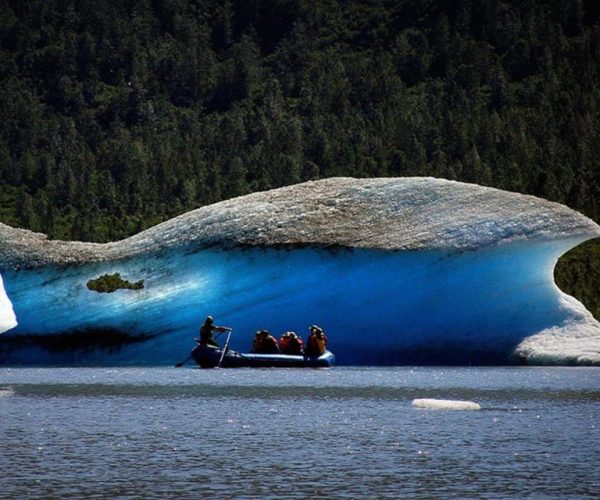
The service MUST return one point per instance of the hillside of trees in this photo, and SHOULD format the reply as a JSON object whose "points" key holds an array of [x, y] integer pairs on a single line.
{"points": [[116, 115]]}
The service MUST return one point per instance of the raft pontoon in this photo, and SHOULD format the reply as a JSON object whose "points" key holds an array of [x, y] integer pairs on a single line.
{"points": [[208, 356]]}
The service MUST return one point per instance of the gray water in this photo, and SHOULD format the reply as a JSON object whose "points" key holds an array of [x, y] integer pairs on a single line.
{"points": [[338, 433]]}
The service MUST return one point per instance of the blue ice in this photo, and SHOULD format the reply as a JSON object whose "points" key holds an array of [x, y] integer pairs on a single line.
{"points": [[377, 307]]}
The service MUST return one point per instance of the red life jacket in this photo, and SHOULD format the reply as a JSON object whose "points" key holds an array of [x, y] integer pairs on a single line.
{"points": [[289, 344]]}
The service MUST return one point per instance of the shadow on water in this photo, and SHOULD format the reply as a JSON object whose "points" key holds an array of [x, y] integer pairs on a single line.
{"points": [[77, 342]]}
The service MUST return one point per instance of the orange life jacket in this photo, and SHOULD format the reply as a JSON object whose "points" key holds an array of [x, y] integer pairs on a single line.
{"points": [[316, 344]]}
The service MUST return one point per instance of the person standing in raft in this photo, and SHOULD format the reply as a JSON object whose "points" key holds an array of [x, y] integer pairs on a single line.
{"points": [[290, 343], [316, 344], [207, 329], [264, 343]]}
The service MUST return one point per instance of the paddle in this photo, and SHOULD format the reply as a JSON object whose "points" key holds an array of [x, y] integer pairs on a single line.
{"points": [[225, 348], [179, 365]]}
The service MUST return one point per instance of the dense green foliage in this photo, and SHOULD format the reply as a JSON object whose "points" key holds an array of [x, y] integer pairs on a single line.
{"points": [[578, 272], [117, 114], [108, 283]]}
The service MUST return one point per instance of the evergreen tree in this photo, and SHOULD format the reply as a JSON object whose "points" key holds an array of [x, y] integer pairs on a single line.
{"points": [[116, 115]]}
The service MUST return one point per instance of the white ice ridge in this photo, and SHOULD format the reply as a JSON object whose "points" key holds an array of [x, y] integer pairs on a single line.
{"points": [[574, 342], [7, 315], [411, 270], [413, 213], [445, 404]]}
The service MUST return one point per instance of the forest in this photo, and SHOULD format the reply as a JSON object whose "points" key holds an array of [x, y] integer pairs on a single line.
{"points": [[118, 114]]}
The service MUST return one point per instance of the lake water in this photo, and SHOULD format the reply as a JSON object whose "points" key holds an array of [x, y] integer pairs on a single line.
{"points": [[339, 433]]}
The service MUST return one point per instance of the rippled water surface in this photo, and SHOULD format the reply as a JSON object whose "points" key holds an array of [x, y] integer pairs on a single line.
{"points": [[341, 433]]}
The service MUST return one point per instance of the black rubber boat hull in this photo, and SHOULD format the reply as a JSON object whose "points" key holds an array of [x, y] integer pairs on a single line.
{"points": [[209, 357]]}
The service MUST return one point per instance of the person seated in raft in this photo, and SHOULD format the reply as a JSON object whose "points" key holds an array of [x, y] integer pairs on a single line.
{"points": [[264, 343], [206, 332], [290, 343], [316, 342]]}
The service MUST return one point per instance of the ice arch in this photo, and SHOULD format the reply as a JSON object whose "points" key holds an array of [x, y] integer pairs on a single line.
{"points": [[411, 270]]}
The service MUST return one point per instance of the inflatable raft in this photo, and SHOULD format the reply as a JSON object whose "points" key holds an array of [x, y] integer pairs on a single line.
{"points": [[210, 357]]}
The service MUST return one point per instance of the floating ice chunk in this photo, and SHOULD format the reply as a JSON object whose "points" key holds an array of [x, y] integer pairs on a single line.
{"points": [[445, 404], [7, 392], [7, 315]]}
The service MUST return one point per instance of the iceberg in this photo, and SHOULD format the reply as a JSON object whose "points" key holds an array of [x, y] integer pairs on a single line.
{"points": [[396, 270]]}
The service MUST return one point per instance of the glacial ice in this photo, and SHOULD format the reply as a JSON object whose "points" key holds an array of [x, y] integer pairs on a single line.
{"points": [[395, 270], [7, 315], [445, 404]]}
